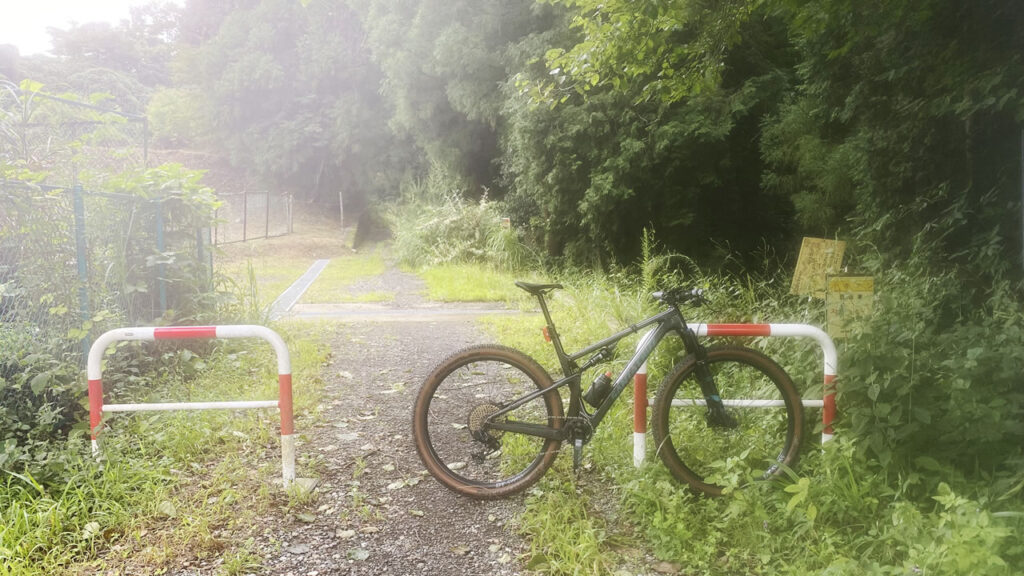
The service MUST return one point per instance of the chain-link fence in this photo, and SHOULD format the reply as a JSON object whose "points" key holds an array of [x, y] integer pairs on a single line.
{"points": [[69, 258], [248, 215], [70, 141], [87, 233], [38, 272]]}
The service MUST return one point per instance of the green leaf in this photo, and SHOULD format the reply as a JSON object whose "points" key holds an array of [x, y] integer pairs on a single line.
{"points": [[40, 382], [800, 486], [166, 508], [91, 530], [30, 86], [795, 500]]}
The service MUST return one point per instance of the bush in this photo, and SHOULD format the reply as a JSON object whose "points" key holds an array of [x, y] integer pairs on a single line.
{"points": [[39, 404], [177, 117], [456, 231], [936, 376], [936, 373]]}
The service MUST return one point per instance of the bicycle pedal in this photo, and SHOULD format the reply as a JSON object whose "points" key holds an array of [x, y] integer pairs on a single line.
{"points": [[577, 455]]}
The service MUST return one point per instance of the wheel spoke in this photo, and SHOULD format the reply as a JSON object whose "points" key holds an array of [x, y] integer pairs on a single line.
{"points": [[453, 415], [764, 416]]}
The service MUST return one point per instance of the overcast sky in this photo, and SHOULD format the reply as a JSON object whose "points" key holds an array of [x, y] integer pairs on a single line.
{"points": [[24, 22]]}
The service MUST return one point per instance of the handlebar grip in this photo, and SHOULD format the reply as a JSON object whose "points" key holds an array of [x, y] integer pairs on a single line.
{"points": [[677, 297]]}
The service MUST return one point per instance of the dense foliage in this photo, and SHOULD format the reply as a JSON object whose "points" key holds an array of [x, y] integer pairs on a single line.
{"points": [[39, 404], [726, 126], [732, 128]]}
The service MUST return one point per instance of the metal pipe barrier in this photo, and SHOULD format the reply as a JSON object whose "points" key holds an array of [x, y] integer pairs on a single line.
{"points": [[284, 378], [827, 403]]}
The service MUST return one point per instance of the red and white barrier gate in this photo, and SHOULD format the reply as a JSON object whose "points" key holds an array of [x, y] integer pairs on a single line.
{"points": [[284, 378], [827, 403]]}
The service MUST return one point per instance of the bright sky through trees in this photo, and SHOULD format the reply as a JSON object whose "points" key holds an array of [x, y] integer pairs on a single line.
{"points": [[24, 23]]}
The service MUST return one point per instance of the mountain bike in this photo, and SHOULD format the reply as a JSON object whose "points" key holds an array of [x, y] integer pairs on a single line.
{"points": [[489, 421]]}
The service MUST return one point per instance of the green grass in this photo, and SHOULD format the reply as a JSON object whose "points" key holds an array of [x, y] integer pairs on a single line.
{"points": [[169, 485], [472, 283], [278, 262], [45, 530], [343, 271], [838, 513]]}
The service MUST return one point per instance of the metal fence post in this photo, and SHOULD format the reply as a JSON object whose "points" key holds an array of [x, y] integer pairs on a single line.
{"points": [[200, 257], [161, 268], [82, 258], [290, 228], [245, 213]]}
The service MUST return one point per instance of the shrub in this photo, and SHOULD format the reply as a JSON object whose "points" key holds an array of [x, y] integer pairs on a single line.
{"points": [[455, 231], [936, 373], [39, 404]]}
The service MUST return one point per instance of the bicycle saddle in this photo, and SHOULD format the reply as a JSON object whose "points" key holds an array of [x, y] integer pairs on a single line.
{"points": [[537, 289]]}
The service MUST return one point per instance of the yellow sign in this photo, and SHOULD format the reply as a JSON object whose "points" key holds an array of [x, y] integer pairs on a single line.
{"points": [[818, 259], [848, 299]]}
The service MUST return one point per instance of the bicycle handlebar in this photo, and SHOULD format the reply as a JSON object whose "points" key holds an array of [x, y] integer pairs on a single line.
{"points": [[680, 296]]}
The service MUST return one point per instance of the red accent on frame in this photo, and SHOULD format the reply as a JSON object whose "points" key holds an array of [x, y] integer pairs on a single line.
{"points": [[739, 330], [640, 403], [184, 332], [284, 403], [95, 405], [828, 412], [547, 336]]}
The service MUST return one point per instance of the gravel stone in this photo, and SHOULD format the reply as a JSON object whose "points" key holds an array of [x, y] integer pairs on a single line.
{"points": [[378, 510]]}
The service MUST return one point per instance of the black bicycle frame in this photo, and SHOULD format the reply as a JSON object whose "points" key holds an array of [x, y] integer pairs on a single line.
{"points": [[668, 321]]}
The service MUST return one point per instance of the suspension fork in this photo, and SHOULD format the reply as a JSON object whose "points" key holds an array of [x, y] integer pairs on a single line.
{"points": [[716, 415]]}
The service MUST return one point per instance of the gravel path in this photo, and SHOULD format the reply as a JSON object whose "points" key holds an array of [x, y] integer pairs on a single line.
{"points": [[376, 510]]}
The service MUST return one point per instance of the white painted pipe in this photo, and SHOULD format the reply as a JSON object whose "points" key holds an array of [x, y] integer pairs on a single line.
{"points": [[827, 403], [94, 370]]}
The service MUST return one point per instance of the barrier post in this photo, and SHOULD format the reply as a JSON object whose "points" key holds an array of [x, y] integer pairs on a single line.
{"points": [[830, 360], [284, 378]]}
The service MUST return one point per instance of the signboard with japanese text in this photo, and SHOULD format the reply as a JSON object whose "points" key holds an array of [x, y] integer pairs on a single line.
{"points": [[819, 258], [848, 299]]}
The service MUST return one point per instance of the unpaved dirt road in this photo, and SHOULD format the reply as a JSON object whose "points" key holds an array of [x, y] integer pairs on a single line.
{"points": [[376, 511]]}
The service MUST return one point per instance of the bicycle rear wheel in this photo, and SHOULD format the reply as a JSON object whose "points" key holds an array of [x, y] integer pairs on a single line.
{"points": [[761, 400], [450, 427]]}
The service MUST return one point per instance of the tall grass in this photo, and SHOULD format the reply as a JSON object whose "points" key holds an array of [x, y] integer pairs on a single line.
{"points": [[186, 472], [47, 528], [473, 283], [927, 474], [845, 510], [435, 225]]}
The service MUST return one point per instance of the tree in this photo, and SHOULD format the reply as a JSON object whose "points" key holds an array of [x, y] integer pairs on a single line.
{"points": [[882, 105], [293, 98], [444, 63], [624, 153]]}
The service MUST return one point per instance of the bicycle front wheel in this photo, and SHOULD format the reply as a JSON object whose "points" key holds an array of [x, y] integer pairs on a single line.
{"points": [[764, 428], [452, 422]]}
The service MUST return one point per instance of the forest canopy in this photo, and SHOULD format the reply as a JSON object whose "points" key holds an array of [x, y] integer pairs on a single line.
{"points": [[618, 147], [730, 128]]}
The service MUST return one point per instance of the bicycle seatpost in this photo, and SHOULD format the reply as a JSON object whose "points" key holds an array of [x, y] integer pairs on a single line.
{"points": [[552, 333]]}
